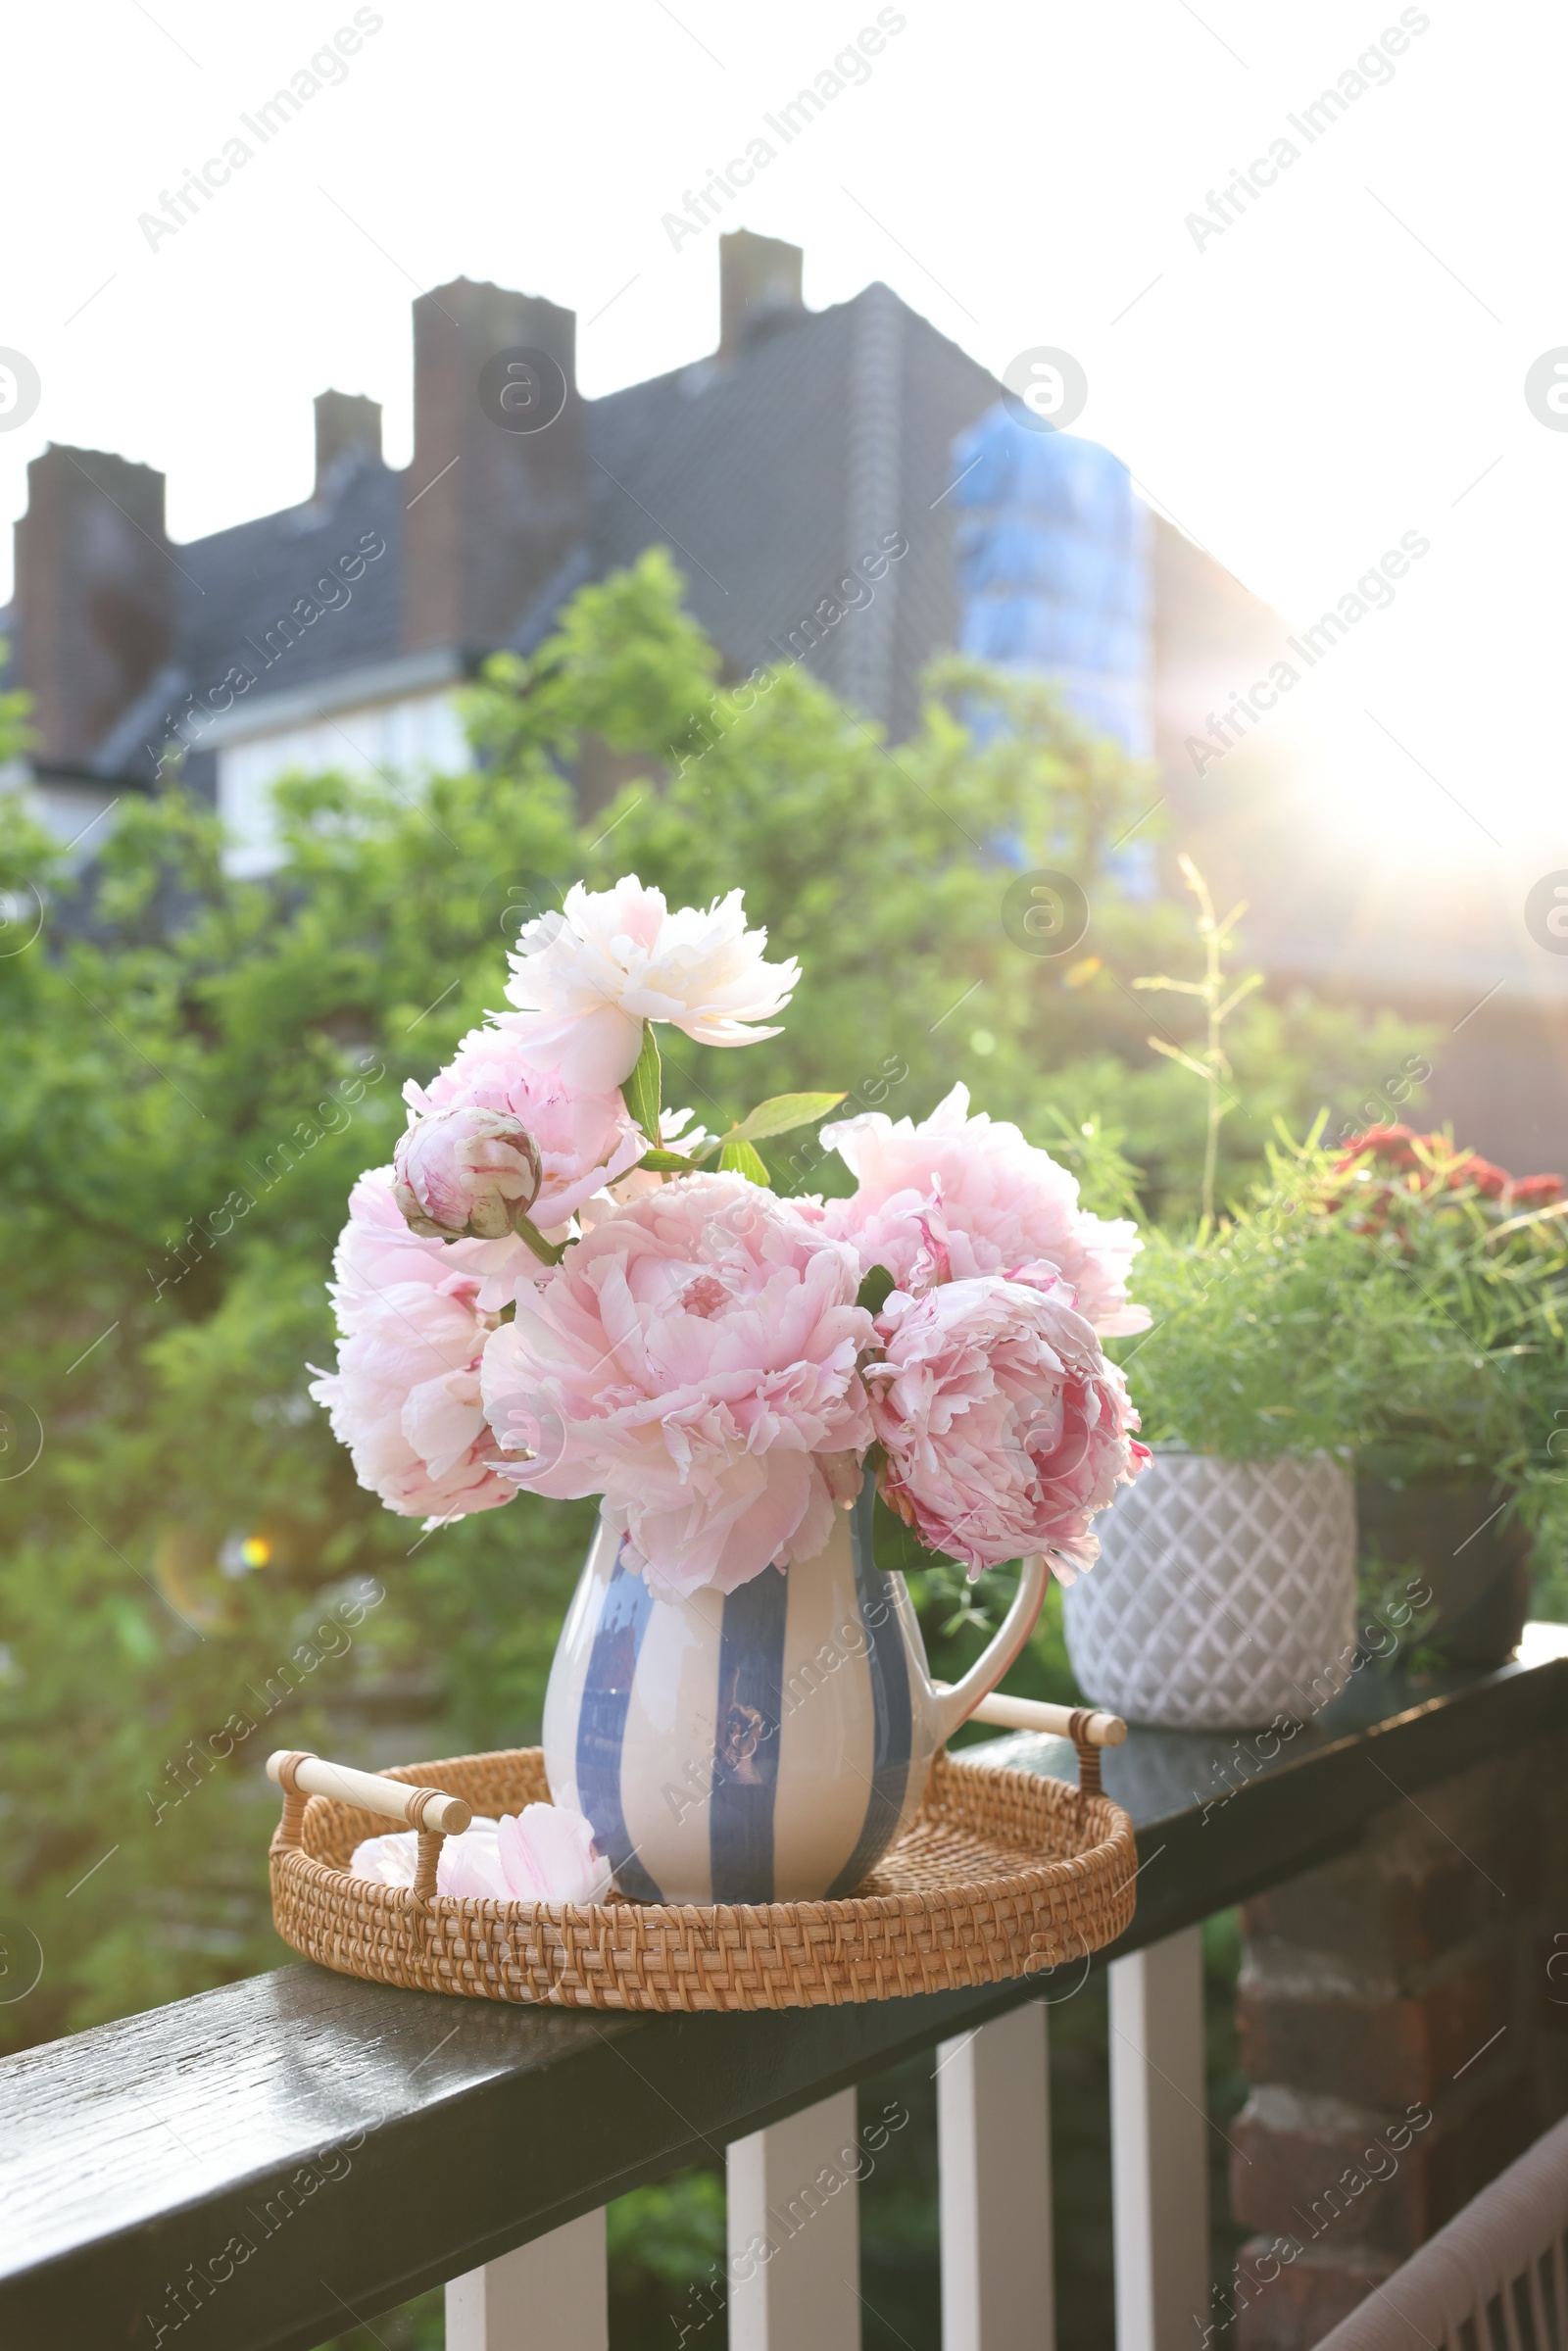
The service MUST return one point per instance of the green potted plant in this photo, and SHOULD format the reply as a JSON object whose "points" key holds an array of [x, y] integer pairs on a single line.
{"points": [[1400, 1307], [1225, 1592], [1459, 1369]]}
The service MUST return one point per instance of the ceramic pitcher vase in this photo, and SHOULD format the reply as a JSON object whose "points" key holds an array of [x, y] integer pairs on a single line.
{"points": [[766, 1744]]}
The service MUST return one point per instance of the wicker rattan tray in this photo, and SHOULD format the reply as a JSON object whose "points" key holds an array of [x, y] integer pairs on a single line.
{"points": [[1004, 1874]]}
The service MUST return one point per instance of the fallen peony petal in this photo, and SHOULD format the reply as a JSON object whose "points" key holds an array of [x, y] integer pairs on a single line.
{"points": [[547, 1852], [468, 1865], [543, 1854]]}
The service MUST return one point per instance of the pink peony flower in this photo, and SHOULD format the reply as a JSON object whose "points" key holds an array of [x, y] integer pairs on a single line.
{"points": [[405, 1397], [957, 1197], [544, 1853], [465, 1171], [1005, 1427], [675, 1134], [493, 1136], [695, 1358], [586, 979]]}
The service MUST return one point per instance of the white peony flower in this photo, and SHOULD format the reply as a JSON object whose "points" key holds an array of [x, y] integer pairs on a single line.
{"points": [[586, 979]]}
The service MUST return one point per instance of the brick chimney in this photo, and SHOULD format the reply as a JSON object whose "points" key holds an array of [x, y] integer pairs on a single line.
{"points": [[344, 421], [95, 594], [758, 282], [491, 513]]}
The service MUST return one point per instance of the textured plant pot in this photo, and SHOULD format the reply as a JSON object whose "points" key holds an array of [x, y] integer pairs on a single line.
{"points": [[1224, 1594], [1474, 1559]]}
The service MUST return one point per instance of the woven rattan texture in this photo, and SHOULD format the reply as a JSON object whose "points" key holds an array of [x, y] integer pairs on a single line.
{"points": [[1004, 1874]]}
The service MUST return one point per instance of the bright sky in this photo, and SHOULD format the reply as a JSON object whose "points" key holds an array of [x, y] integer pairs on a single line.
{"points": [[1345, 363]]}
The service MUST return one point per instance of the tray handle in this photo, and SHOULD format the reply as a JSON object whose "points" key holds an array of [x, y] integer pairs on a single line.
{"points": [[433, 1814], [1088, 1730]]}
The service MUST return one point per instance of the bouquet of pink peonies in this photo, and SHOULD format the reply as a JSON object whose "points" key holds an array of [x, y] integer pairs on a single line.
{"points": [[560, 1287]]}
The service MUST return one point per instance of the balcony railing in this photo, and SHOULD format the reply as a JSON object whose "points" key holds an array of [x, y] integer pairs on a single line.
{"points": [[261, 2166]]}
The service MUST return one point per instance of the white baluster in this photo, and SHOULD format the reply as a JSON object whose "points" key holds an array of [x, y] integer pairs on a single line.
{"points": [[552, 2295], [794, 2233], [994, 2142], [1159, 2146]]}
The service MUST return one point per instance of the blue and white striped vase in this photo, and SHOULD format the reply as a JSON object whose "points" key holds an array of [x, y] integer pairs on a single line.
{"points": [[767, 1745]]}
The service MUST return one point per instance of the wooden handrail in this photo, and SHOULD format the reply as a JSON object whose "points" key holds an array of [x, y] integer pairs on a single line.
{"points": [[228, 2172]]}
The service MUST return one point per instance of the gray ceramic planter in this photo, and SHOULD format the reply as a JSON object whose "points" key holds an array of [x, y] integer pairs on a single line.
{"points": [[1224, 1594]]}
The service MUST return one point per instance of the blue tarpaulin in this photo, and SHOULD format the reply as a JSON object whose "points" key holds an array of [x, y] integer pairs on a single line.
{"points": [[1053, 568]]}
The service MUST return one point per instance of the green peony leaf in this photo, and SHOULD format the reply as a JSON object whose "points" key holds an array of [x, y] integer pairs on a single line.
{"points": [[875, 1291], [642, 1091], [779, 1116], [738, 1158]]}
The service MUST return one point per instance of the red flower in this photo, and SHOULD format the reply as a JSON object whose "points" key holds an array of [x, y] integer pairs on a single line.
{"points": [[1402, 1152], [1393, 1146], [1490, 1181], [1539, 1191]]}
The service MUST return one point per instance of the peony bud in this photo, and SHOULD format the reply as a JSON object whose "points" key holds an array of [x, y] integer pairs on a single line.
{"points": [[465, 1172]]}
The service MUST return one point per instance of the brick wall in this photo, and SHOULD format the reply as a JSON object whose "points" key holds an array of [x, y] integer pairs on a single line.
{"points": [[1402, 2036], [95, 594], [491, 513]]}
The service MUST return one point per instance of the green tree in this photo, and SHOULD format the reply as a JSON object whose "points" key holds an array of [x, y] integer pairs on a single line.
{"points": [[15, 730]]}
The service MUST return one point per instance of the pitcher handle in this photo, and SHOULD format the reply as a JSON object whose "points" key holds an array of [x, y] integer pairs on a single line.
{"points": [[956, 1705]]}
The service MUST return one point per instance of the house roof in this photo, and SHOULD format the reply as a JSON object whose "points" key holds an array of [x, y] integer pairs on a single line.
{"points": [[771, 473], [241, 581]]}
